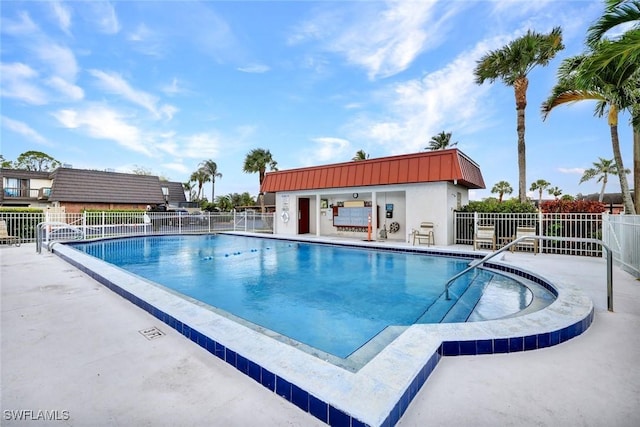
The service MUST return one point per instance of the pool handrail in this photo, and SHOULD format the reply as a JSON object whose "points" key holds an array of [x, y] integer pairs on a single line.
{"points": [[476, 263]]}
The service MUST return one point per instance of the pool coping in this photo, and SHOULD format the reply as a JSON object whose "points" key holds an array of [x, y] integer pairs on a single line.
{"points": [[378, 393]]}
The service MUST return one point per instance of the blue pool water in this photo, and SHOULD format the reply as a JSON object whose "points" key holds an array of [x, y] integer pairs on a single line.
{"points": [[332, 298]]}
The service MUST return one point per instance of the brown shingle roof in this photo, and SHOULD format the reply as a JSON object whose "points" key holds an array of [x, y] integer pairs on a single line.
{"points": [[429, 166], [90, 186], [176, 191]]}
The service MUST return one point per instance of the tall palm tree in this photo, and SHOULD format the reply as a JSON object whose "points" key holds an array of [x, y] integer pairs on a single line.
{"points": [[623, 56], [575, 84], [188, 187], [512, 64], [601, 169], [211, 168], [555, 192], [540, 185], [200, 177], [441, 141], [360, 155], [257, 160], [502, 188]]}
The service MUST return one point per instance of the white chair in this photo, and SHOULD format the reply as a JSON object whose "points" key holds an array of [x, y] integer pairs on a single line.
{"points": [[425, 232], [485, 234], [526, 243]]}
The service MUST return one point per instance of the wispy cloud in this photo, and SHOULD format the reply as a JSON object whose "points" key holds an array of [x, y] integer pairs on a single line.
{"points": [[254, 68], [69, 90], [146, 41], [105, 17], [383, 38], [571, 171], [116, 84], [103, 123], [18, 82], [62, 15], [173, 88], [56, 64], [326, 149], [25, 130], [415, 109]]}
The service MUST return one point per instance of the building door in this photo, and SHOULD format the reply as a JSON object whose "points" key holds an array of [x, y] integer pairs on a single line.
{"points": [[303, 215]]}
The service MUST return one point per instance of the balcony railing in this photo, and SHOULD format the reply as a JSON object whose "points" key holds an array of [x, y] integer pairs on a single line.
{"points": [[27, 193]]}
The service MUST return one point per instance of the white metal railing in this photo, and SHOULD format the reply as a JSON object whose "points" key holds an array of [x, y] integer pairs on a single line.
{"points": [[622, 234], [478, 263], [66, 226], [566, 226]]}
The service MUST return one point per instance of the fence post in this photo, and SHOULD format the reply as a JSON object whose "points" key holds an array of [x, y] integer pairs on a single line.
{"points": [[541, 232], [234, 220], [84, 224], [103, 223]]}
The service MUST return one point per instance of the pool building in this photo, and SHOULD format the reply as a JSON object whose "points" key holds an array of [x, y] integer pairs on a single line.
{"points": [[337, 199]]}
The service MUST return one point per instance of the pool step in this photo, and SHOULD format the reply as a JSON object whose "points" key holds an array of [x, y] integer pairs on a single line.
{"points": [[463, 299]]}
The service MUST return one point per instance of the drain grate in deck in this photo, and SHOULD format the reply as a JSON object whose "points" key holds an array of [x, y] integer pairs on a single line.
{"points": [[151, 333]]}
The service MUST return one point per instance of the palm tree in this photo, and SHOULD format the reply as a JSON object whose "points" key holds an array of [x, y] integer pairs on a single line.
{"points": [[441, 141], [601, 169], [502, 188], [555, 192], [188, 187], [360, 155], [622, 57], [575, 84], [224, 203], [211, 168], [200, 177], [540, 185], [512, 64], [624, 52], [257, 160]]}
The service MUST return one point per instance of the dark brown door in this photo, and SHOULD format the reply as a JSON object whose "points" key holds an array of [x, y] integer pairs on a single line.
{"points": [[303, 216]]}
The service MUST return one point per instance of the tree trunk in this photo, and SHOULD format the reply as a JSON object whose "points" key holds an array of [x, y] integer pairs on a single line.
{"points": [[604, 184], [520, 87], [629, 209]]}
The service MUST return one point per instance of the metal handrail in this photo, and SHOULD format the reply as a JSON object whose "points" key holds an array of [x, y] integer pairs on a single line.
{"points": [[475, 263]]}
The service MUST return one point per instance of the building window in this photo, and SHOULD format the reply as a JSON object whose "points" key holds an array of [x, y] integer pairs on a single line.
{"points": [[15, 187], [458, 200]]}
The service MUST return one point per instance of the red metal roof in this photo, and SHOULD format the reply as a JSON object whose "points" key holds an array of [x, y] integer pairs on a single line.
{"points": [[428, 166]]}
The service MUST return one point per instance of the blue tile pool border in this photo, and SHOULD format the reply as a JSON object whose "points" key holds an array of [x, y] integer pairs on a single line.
{"points": [[324, 411]]}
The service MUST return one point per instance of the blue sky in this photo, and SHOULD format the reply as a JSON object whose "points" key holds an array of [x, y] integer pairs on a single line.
{"points": [[165, 85]]}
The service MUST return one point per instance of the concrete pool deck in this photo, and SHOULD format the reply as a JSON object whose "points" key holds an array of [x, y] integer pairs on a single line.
{"points": [[70, 344]]}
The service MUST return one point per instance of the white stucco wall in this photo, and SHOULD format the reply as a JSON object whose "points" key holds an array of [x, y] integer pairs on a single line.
{"points": [[413, 204]]}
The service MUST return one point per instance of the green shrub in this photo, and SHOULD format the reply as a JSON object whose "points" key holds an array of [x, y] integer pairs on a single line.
{"points": [[492, 205]]}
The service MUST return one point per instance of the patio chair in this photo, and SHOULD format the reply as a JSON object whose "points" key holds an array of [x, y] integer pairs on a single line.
{"points": [[527, 243], [424, 233], [4, 234], [485, 234]]}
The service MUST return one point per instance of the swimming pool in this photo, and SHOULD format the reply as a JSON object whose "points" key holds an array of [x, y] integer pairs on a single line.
{"points": [[332, 298], [377, 389]]}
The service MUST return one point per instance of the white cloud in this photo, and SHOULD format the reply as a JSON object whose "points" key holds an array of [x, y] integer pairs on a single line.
{"points": [[254, 68], [24, 26], [146, 41], [63, 15], [173, 88], [69, 90], [416, 109], [178, 167], [18, 82], [571, 171], [23, 129], [103, 123], [384, 38], [116, 84], [105, 17], [326, 149]]}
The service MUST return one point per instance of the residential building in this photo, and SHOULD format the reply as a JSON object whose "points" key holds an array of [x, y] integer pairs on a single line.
{"points": [[76, 190]]}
